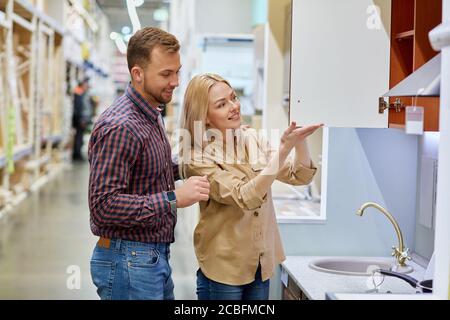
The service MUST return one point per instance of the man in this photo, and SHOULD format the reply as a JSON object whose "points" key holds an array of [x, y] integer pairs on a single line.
{"points": [[132, 199], [79, 121]]}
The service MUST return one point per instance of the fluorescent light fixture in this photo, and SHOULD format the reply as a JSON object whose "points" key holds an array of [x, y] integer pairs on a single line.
{"points": [[126, 30], [114, 36], [121, 45], [127, 37], [132, 12], [119, 40], [122, 39]]}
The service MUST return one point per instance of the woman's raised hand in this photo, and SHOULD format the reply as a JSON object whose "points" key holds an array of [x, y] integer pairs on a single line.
{"points": [[294, 135]]}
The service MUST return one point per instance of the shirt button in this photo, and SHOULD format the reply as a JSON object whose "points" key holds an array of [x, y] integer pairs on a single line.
{"points": [[256, 214], [262, 254], [133, 253]]}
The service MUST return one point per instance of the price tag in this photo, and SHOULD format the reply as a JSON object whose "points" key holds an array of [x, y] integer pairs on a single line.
{"points": [[414, 120]]}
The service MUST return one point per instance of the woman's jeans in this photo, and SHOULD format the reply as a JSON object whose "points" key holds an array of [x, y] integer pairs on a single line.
{"points": [[129, 270], [210, 290]]}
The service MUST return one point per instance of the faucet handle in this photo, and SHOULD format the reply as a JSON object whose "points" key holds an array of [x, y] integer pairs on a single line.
{"points": [[401, 256], [405, 254], [395, 251]]}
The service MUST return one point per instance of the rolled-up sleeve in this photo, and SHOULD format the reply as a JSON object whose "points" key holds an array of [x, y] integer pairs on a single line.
{"points": [[227, 187], [296, 174], [113, 154], [292, 172]]}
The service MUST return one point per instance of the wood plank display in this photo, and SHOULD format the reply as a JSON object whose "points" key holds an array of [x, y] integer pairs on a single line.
{"points": [[31, 94], [3, 103], [3, 93], [45, 49], [21, 79], [58, 76], [23, 72], [36, 86]]}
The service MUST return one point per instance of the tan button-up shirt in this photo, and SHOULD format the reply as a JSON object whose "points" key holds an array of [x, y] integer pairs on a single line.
{"points": [[238, 230]]}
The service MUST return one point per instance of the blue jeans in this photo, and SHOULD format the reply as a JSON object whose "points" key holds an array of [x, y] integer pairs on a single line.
{"points": [[210, 290], [131, 270]]}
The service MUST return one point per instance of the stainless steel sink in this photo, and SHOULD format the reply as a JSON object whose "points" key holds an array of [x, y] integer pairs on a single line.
{"points": [[355, 266]]}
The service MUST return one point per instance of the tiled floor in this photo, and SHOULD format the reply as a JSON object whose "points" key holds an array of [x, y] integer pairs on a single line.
{"points": [[45, 243]]}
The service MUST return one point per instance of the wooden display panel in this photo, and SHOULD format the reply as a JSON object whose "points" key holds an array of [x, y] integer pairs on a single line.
{"points": [[44, 70], [23, 99], [58, 76], [3, 93]]}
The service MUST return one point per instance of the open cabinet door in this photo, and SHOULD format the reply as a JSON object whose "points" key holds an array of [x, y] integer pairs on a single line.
{"points": [[340, 62]]}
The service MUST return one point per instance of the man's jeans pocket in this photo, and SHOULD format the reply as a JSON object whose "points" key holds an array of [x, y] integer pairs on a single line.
{"points": [[148, 273], [143, 258], [102, 273]]}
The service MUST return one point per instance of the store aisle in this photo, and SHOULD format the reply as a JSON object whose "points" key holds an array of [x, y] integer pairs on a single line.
{"points": [[46, 243]]}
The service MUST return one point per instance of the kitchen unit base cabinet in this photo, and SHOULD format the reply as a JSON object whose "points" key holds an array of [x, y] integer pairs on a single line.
{"points": [[292, 291]]}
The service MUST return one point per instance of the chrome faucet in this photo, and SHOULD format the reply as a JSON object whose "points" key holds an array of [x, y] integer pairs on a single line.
{"points": [[400, 252]]}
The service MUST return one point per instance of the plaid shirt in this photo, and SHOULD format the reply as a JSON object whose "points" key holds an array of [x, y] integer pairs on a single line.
{"points": [[130, 170]]}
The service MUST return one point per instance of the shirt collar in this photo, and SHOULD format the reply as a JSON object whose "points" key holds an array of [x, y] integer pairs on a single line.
{"points": [[151, 112]]}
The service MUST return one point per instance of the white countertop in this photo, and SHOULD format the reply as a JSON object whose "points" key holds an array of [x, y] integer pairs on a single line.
{"points": [[316, 284]]}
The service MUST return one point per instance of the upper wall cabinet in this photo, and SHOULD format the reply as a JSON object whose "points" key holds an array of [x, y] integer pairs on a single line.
{"points": [[412, 20], [340, 62]]}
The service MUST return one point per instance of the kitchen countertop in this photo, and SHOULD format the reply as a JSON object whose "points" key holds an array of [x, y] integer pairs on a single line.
{"points": [[316, 284]]}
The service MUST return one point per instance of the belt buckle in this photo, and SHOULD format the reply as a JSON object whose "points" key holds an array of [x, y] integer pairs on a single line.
{"points": [[104, 243]]}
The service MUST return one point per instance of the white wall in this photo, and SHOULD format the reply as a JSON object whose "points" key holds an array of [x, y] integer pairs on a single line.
{"points": [[424, 237], [218, 16], [364, 165]]}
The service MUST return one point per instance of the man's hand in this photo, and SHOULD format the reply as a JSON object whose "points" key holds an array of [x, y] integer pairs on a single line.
{"points": [[194, 190]]}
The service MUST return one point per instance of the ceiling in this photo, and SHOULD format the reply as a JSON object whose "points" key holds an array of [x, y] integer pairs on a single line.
{"points": [[116, 10]]}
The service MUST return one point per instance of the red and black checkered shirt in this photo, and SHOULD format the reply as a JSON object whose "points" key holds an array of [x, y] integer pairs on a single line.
{"points": [[131, 168]]}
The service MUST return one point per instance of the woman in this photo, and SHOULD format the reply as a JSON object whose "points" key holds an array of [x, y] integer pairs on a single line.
{"points": [[237, 242]]}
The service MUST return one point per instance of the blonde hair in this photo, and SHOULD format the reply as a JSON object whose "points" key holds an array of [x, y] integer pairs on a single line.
{"points": [[196, 102]]}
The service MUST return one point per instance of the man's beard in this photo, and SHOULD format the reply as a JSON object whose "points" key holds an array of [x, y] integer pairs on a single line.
{"points": [[156, 97]]}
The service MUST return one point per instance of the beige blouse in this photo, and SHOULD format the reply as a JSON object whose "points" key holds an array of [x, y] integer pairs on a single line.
{"points": [[238, 228]]}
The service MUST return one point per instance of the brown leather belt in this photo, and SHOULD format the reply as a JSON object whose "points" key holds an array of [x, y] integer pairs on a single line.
{"points": [[104, 243]]}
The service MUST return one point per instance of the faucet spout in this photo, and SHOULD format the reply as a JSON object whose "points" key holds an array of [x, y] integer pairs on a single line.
{"points": [[400, 252]]}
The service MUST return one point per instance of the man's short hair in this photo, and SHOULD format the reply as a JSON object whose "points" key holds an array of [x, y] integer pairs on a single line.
{"points": [[141, 45]]}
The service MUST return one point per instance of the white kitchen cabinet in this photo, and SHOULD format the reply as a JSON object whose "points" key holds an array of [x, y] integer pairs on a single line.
{"points": [[340, 62]]}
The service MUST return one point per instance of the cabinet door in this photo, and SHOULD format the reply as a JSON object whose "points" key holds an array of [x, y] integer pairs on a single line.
{"points": [[340, 62]]}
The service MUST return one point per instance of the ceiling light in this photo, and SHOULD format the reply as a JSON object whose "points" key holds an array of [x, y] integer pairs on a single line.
{"points": [[114, 36], [126, 30], [132, 12]]}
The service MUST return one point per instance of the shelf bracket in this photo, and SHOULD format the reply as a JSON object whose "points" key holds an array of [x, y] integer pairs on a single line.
{"points": [[383, 105]]}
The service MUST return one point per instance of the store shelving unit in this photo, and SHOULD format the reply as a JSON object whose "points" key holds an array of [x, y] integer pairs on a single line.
{"points": [[41, 60], [5, 25]]}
